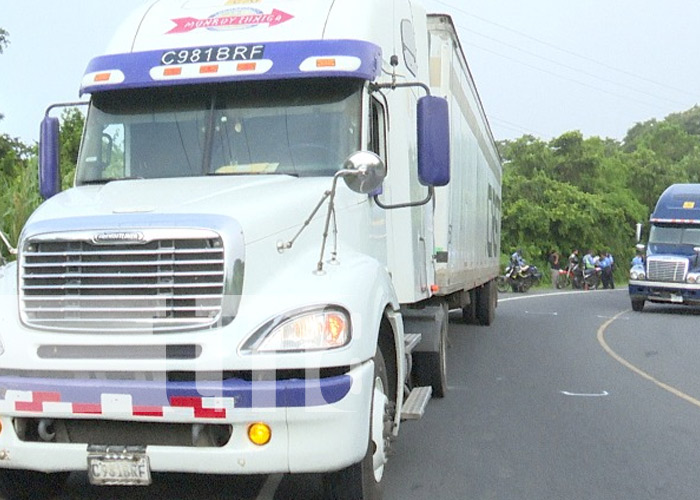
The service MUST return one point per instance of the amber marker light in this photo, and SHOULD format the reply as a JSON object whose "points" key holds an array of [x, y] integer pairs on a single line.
{"points": [[325, 63], [434, 288], [335, 328], [172, 72], [102, 77], [259, 434], [210, 68], [250, 66]]}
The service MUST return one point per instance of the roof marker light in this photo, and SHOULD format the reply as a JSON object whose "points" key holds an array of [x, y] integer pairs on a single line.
{"points": [[326, 63], [249, 66], [102, 77], [172, 72], [209, 68], [331, 63]]}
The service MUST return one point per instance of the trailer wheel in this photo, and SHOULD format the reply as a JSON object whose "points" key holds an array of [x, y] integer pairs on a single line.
{"points": [[362, 481], [637, 304], [502, 284], [469, 311], [30, 485], [430, 368], [486, 300]]}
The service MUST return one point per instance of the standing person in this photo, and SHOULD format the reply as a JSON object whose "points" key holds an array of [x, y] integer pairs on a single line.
{"points": [[589, 267], [554, 267], [638, 259], [605, 262]]}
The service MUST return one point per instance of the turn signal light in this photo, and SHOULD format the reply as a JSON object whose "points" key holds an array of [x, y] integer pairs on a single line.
{"points": [[259, 434]]}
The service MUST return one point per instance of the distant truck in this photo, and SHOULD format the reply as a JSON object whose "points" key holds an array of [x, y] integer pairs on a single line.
{"points": [[671, 269], [275, 206]]}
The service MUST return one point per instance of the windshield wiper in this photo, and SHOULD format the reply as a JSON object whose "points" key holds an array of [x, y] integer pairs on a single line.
{"points": [[229, 174], [97, 182]]}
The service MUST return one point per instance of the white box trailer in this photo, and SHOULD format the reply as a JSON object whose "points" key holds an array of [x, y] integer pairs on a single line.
{"points": [[275, 206]]}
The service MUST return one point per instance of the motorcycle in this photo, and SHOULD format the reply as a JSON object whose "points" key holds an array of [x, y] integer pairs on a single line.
{"points": [[586, 279], [519, 279]]}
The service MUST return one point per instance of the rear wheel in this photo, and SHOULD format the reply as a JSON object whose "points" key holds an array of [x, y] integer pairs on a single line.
{"points": [[486, 300], [563, 280], [30, 485], [430, 368], [362, 481], [502, 284]]}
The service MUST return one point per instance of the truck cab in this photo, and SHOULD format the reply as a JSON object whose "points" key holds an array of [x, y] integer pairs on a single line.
{"points": [[670, 272]]}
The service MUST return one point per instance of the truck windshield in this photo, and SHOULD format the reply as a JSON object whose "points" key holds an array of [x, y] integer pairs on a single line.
{"points": [[293, 127], [674, 235]]}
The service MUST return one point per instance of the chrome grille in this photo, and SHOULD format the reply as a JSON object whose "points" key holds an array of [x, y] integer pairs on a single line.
{"points": [[162, 284], [669, 269]]}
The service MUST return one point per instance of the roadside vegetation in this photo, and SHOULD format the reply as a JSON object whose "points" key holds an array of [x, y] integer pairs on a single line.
{"points": [[589, 193]]}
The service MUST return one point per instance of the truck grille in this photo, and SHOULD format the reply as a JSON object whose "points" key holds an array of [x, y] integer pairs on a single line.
{"points": [[669, 269], [154, 285]]}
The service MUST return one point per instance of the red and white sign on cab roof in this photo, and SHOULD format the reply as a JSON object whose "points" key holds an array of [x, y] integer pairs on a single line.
{"points": [[168, 23], [228, 19]]}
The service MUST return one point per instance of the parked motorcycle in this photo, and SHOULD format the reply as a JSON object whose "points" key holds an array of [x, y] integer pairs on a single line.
{"points": [[576, 277], [519, 279]]}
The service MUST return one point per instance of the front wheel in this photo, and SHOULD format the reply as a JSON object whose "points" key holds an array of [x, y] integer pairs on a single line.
{"points": [[563, 281], [30, 485], [637, 305], [362, 481]]}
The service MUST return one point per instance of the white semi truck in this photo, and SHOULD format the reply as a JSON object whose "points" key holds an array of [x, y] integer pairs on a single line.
{"points": [[276, 204]]}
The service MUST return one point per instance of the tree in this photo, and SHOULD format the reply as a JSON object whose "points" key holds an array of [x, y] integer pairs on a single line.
{"points": [[4, 40]]}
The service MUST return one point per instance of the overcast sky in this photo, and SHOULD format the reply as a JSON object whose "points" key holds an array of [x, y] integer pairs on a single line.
{"points": [[542, 67]]}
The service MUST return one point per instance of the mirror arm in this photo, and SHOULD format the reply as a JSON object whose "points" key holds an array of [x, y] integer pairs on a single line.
{"points": [[431, 193], [393, 86], [10, 248]]}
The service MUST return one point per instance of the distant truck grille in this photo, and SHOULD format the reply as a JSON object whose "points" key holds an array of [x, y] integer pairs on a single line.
{"points": [[123, 283], [669, 269]]}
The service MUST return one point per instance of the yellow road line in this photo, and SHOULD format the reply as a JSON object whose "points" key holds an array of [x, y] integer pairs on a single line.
{"points": [[639, 371]]}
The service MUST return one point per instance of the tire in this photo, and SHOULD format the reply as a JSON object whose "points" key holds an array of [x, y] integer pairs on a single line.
{"points": [[30, 485], [637, 305], [486, 300], [469, 314], [362, 481], [430, 368], [502, 284]]}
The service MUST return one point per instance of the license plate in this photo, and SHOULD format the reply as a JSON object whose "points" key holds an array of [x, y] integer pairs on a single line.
{"points": [[120, 468], [676, 299]]}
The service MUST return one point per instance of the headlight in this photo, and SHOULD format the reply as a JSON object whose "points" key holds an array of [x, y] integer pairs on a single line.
{"points": [[637, 273], [693, 278], [311, 330]]}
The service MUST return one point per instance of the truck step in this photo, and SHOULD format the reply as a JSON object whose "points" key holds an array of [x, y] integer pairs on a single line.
{"points": [[414, 406], [411, 340]]}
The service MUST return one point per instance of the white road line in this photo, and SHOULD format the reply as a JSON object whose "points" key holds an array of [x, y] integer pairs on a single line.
{"points": [[270, 487], [583, 395]]}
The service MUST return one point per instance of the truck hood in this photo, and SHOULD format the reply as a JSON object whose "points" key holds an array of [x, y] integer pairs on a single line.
{"points": [[262, 205]]}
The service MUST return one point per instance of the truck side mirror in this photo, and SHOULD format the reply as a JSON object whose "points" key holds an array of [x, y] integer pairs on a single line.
{"points": [[433, 141], [638, 232], [363, 172], [49, 171], [641, 247]]}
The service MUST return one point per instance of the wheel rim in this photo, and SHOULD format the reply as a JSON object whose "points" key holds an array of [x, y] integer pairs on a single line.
{"points": [[380, 434]]}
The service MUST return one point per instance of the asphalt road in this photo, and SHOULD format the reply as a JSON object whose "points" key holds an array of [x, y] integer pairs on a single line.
{"points": [[566, 396]]}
